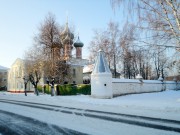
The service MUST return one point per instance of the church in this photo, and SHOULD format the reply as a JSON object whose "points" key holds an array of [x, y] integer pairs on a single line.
{"points": [[17, 71]]}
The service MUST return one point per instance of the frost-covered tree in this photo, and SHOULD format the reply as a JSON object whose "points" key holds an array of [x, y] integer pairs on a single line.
{"points": [[34, 66], [155, 16]]}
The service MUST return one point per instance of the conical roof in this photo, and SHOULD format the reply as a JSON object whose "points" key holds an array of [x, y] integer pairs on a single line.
{"points": [[78, 43], [101, 65]]}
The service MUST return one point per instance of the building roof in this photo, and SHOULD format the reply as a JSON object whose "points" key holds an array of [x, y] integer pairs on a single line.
{"points": [[66, 35], [101, 65]]}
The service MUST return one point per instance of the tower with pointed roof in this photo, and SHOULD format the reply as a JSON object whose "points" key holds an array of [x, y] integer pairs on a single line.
{"points": [[101, 78]]}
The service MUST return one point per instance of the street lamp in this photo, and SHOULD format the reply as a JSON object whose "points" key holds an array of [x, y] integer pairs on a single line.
{"points": [[25, 84]]}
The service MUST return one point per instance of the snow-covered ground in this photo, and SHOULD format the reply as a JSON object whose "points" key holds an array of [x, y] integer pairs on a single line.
{"points": [[166, 102], [164, 105]]}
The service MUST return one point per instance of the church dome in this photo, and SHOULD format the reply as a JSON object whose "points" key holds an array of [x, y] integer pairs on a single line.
{"points": [[67, 39], [66, 32], [78, 43]]}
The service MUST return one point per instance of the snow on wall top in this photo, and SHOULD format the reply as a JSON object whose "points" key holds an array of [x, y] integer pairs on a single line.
{"points": [[101, 65], [116, 80]]}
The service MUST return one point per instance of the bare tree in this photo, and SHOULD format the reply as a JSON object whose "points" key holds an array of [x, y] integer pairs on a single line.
{"points": [[49, 39], [159, 22], [34, 66], [121, 45], [130, 55], [160, 62], [162, 16], [114, 34], [100, 41], [106, 40]]}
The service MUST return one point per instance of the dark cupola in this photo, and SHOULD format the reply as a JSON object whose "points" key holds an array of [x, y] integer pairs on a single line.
{"points": [[78, 45]]}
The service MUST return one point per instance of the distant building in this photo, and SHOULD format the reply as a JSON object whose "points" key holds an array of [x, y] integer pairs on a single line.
{"points": [[15, 77], [3, 77]]}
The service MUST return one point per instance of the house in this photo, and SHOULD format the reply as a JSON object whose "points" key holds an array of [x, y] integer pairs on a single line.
{"points": [[15, 78]]}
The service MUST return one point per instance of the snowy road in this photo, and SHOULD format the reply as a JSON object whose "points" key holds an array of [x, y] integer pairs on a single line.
{"points": [[23, 115], [14, 124]]}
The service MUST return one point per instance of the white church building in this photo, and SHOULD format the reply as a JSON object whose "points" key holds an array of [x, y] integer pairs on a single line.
{"points": [[17, 70]]}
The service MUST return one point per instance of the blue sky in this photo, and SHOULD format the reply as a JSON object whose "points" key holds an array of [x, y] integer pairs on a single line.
{"points": [[20, 20]]}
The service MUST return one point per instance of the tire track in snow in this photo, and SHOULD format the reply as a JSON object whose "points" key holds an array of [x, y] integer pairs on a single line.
{"points": [[15, 124], [109, 116]]}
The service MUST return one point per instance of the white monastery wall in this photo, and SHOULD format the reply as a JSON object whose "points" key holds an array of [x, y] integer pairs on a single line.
{"points": [[104, 86], [170, 85], [130, 86]]}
